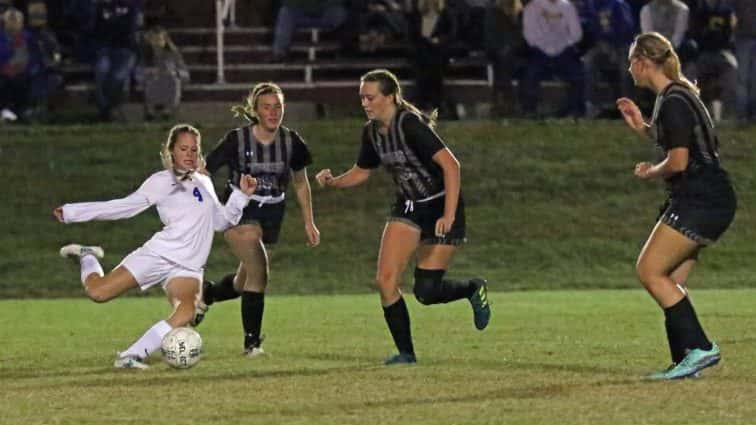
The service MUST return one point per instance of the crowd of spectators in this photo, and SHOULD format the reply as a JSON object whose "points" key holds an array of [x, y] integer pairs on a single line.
{"points": [[584, 43], [108, 36]]}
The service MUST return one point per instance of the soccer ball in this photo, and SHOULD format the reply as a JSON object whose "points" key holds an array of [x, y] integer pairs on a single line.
{"points": [[182, 348]]}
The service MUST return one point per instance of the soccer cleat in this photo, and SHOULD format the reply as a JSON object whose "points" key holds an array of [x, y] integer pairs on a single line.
{"points": [[77, 251], [200, 310], [480, 305], [129, 362], [695, 361], [401, 358], [254, 352], [253, 346]]}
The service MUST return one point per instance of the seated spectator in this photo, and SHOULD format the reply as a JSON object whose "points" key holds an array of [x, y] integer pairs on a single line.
{"points": [[716, 69], [435, 28], [379, 22], [608, 56], [586, 10], [504, 46], [114, 34], [295, 14], [552, 30], [164, 71], [670, 19], [46, 80], [745, 51], [15, 66]]}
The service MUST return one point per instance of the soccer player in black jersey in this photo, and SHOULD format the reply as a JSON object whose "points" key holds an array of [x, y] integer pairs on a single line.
{"points": [[701, 202], [274, 155], [427, 220]]}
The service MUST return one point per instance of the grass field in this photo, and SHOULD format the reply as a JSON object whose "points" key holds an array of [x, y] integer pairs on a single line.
{"points": [[557, 357]]}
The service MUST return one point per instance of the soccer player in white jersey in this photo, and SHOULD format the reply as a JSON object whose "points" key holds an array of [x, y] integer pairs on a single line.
{"points": [[190, 211]]}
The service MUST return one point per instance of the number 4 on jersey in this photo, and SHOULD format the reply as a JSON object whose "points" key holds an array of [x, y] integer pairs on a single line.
{"points": [[197, 194]]}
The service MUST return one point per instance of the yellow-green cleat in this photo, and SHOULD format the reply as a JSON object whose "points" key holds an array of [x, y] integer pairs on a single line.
{"points": [[481, 307]]}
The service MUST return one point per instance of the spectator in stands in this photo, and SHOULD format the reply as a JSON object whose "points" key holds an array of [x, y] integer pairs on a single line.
{"points": [[436, 32], [552, 30], [379, 22], [745, 50], [15, 66], [712, 25], [5, 5], [608, 56], [47, 78], [164, 72], [504, 46], [295, 14], [115, 32], [586, 10], [670, 19]]}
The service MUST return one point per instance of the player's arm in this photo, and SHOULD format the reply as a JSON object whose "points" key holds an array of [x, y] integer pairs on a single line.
{"points": [[353, 177], [633, 117], [304, 197]]}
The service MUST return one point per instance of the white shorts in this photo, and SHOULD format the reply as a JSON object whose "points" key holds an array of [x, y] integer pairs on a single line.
{"points": [[150, 269]]}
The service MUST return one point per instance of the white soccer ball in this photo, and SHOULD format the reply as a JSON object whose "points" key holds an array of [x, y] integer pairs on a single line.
{"points": [[182, 348]]}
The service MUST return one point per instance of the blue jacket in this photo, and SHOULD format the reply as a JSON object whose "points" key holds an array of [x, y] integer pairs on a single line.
{"points": [[615, 22]]}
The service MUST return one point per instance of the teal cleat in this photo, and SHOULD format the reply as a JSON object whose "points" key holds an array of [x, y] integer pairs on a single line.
{"points": [[695, 361], [480, 306], [401, 358]]}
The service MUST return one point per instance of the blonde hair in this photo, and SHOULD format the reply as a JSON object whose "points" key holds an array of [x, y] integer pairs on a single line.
{"points": [[248, 109], [166, 151], [656, 48], [388, 85], [511, 8]]}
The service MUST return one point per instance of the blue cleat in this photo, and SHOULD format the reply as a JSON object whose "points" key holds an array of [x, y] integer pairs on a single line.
{"points": [[695, 361], [480, 306], [401, 358]]}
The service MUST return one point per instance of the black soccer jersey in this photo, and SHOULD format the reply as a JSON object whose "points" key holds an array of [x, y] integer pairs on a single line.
{"points": [[406, 151], [681, 120], [270, 164]]}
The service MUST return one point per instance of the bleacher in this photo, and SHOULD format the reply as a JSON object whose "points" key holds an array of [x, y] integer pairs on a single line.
{"points": [[316, 71]]}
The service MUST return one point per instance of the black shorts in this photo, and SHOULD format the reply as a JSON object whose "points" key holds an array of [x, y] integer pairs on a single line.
{"points": [[701, 222], [423, 215], [268, 216]]}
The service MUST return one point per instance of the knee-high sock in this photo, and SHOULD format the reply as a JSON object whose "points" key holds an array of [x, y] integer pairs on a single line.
{"points": [[89, 265], [252, 308], [398, 321], [149, 342], [221, 291], [685, 327]]}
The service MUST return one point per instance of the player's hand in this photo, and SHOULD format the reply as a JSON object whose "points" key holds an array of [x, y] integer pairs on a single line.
{"points": [[247, 184], [641, 170], [313, 235], [631, 113], [443, 226], [58, 213], [324, 177]]}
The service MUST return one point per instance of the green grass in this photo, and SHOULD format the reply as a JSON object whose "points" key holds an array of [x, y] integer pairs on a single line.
{"points": [[550, 205], [567, 357]]}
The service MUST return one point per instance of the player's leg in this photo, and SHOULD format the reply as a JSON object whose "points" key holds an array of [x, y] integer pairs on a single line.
{"points": [[99, 287], [431, 288], [246, 242], [398, 243], [664, 251]]}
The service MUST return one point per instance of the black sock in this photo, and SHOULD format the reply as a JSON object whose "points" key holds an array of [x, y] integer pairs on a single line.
{"points": [[434, 289], [685, 328], [453, 290], [398, 321], [676, 349], [221, 291], [252, 307]]}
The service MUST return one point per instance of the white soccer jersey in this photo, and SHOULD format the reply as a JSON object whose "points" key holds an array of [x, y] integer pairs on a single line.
{"points": [[189, 209]]}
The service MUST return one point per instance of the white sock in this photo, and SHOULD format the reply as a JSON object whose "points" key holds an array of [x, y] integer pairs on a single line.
{"points": [[149, 342], [89, 265]]}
